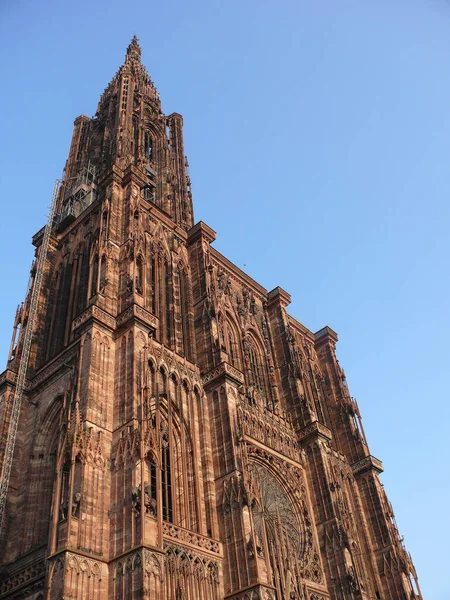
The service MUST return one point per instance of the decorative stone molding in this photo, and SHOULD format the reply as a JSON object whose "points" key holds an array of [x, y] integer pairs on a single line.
{"points": [[265, 426], [81, 564], [178, 534], [22, 579], [96, 314], [142, 559], [54, 366], [224, 369], [235, 274], [369, 462], [258, 592], [8, 376], [138, 313], [313, 431], [181, 560], [173, 361], [153, 563]]}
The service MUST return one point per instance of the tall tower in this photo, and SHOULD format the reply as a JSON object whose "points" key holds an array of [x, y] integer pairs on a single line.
{"points": [[181, 435]]}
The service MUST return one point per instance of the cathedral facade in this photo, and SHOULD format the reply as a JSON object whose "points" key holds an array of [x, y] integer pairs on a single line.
{"points": [[181, 436]]}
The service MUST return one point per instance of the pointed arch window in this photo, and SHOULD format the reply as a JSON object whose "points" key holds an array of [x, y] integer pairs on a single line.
{"points": [[257, 375], [64, 495], [61, 309], [94, 275], [153, 283], [165, 450], [103, 278], [166, 478], [135, 143], [185, 311], [161, 294], [83, 281], [139, 284], [233, 345], [168, 308], [104, 223], [176, 468]]}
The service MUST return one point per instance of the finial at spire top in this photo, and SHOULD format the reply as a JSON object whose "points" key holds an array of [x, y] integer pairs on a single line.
{"points": [[134, 50]]}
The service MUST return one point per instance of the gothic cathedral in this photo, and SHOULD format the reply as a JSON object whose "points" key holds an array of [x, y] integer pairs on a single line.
{"points": [[181, 436]]}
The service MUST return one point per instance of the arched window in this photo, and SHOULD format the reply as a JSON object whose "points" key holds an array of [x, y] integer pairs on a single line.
{"points": [[135, 143], [161, 294], [104, 222], [165, 450], [279, 533], [83, 281], [94, 275], [103, 278], [61, 309], [176, 459], [166, 478], [64, 494], [233, 345], [256, 371], [185, 312], [139, 276], [152, 278], [168, 302]]}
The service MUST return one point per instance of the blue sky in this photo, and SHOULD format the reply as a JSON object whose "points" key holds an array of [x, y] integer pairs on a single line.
{"points": [[318, 134]]}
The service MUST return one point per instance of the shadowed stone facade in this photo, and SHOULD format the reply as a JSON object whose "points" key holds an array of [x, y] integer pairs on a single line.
{"points": [[181, 435]]}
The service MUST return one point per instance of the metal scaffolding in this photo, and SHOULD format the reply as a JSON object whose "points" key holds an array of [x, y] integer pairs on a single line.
{"points": [[23, 364]]}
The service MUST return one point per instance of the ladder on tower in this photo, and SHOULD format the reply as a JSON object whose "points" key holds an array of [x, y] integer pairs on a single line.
{"points": [[23, 364]]}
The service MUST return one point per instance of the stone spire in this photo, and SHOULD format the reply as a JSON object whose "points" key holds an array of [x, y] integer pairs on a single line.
{"points": [[132, 66], [134, 50]]}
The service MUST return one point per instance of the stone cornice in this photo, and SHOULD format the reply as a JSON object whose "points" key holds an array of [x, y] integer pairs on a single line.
{"points": [[279, 296], [8, 376], [54, 366], [201, 230], [326, 334], [367, 463], [300, 328], [313, 431], [115, 173], [25, 571], [164, 217], [137, 313], [220, 372], [237, 274], [133, 174], [193, 540], [94, 313]]}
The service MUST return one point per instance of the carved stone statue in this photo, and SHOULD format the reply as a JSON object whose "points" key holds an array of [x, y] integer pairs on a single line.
{"points": [[63, 509], [136, 499], [128, 284], [150, 503], [351, 579], [76, 504]]}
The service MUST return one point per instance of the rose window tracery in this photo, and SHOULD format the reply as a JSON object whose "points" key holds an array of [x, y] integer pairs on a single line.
{"points": [[279, 532]]}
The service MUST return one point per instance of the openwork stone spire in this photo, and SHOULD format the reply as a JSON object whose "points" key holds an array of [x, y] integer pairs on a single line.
{"points": [[134, 50], [134, 67]]}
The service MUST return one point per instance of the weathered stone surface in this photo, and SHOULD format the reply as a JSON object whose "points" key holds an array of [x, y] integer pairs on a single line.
{"points": [[181, 435]]}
